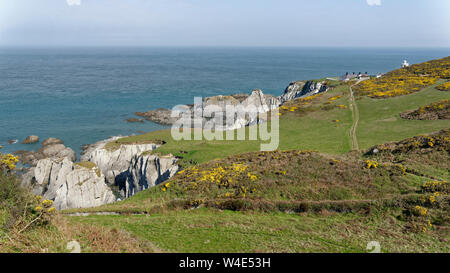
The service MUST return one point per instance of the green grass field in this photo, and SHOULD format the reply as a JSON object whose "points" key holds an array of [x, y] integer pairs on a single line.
{"points": [[380, 119]]}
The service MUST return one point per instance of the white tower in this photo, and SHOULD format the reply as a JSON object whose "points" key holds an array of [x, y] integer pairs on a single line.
{"points": [[405, 64]]}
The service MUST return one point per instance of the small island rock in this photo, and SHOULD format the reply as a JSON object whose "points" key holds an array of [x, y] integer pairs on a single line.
{"points": [[52, 140], [31, 139]]}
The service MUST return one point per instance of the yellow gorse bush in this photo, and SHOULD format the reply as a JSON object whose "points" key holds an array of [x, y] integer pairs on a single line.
{"points": [[420, 211], [8, 161], [406, 80], [435, 186], [232, 179], [371, 164], [45, 205], [297, 104], [335, 98], [444, 87]]}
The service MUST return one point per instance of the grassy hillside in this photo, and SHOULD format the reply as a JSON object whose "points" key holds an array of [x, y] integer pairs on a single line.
{"points": [[313, 126], [298, 201], [313, 194]]}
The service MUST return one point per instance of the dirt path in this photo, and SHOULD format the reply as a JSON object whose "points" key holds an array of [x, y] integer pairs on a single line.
{"points": [[355, 117]]}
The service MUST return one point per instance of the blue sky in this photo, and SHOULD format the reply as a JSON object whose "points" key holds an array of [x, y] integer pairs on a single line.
{"points": [[360, 23]]}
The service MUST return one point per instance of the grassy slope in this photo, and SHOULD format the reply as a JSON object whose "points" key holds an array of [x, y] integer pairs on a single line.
{"points": [[380, 121], [207, 230], [313, 131], [213, 230]]}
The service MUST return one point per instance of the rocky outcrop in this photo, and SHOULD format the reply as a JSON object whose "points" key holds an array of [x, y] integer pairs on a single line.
{"points": [[302, 89], [146, 171], [114, 163], [161, 116], [52, 140], [58, 151], [68, 184], [53, 151], [131, 167], [31, 140], [260, 102]]}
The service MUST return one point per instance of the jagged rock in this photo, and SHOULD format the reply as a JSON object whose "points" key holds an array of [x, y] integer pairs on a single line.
{"points": [[31, 140], [113, 163], [302, 89], [68, 184], [52, 140], [294, 90], [209, 108], [263, 103], [146, 171]]}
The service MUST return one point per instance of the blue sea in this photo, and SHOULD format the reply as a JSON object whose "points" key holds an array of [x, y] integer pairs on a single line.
{"points": [[82, 95]]}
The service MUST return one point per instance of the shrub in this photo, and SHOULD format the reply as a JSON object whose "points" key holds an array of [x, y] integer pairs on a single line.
{"points": [[406, 80], [444, 87], [23, 209]]}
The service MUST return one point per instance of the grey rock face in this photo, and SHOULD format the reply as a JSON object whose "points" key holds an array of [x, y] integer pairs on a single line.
{"points": [[132, 168], [214, 112], [302, 89], [294, 90], [69, 185], [113, 163], [146, 171]]}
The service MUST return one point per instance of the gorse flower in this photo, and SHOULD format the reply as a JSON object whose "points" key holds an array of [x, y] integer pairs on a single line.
{"points": [[407, 80], [371, 164], [8, 162], [47, 203], [420, 211]]}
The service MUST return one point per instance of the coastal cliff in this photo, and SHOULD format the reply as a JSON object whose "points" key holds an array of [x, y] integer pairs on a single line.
{"points": [[102, 176], [130, 167], [70, 185]]}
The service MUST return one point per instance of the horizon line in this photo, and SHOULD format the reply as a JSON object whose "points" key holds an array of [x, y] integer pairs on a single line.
{"points": [[221, 46]]}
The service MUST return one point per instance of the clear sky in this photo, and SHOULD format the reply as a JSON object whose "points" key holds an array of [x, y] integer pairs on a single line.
{"points": [[360, 23]]}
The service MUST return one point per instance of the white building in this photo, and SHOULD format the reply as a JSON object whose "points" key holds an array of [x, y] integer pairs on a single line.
{"points": [[405, 64]]}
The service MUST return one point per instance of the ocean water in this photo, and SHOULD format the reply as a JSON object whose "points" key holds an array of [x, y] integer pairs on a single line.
{"points": [[83, 95]]}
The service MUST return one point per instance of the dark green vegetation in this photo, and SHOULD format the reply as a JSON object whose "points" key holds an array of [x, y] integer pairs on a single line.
{"points": [[434, 111]]}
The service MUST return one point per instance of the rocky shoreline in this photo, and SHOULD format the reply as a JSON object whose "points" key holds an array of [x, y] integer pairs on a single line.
{"points": [[262, 102], [105, 175]]}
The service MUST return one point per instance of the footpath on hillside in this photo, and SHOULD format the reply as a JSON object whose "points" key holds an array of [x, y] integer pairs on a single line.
{"points": [[355, 117]]}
